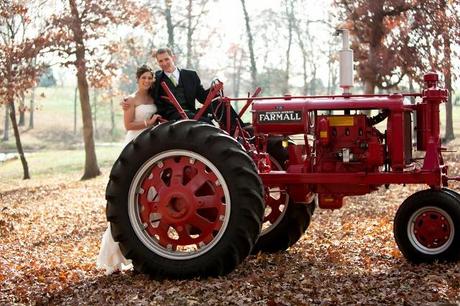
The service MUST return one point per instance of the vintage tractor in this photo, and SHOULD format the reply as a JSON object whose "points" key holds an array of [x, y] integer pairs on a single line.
{"points": [[188, 199]]}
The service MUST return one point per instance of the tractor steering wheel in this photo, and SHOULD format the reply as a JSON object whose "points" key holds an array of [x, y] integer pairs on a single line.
{"points": [[217, 105]]}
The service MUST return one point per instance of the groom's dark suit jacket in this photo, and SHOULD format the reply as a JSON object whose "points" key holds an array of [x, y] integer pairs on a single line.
{"points": [[186, 92]]}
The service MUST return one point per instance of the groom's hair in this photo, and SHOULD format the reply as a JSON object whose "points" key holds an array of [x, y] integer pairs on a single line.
{"points": [[163, 50]]}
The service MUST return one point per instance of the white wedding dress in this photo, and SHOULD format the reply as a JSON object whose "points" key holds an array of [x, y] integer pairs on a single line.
{"points": [[110, 257]]}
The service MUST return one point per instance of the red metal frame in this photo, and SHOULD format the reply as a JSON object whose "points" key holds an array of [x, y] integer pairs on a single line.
{"points": [[211, 94], [249, 101], [340, 183], [304, 175], [173, 100]]}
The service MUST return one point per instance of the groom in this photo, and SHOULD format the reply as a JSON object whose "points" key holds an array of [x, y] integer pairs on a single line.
{"points": [[184, 84]]}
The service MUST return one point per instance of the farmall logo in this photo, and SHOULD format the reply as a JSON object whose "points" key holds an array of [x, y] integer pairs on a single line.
{"points": [[280, 116]]}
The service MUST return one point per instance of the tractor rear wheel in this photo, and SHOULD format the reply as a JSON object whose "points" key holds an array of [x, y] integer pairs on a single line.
{"points": [[184, 200], [427, 226], [284, 220]]}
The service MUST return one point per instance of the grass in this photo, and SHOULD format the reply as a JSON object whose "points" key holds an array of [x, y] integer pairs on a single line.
{"points": [[54, 121], [43, 164]]}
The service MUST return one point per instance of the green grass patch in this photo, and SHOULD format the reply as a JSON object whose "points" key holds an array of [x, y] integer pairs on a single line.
{"points": [[47, 163]]}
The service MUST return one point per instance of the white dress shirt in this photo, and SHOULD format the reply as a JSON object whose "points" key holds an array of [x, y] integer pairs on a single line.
{"points": [[176, 74]]}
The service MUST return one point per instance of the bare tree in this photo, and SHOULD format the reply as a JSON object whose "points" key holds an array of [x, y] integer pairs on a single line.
{"points": [[18, 71], [22, 110], [289, 13], [165, 9], [169, 24], [32, 108], [193, 19], [237, 55], [80, 22], [6, 126], [250, 45]]}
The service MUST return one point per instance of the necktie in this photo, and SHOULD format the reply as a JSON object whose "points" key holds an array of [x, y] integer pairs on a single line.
{"points": [[173, 80]]}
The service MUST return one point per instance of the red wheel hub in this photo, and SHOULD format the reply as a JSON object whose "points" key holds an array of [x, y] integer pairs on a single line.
{"points": [[181, 203], [275, 199], [432, 229]]}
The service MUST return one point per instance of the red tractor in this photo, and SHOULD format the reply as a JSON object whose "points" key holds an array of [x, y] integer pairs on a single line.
{"points": [[188, 199]]}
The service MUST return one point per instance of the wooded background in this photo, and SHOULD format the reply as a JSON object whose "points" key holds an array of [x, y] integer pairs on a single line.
{"points": [[69, 63]]}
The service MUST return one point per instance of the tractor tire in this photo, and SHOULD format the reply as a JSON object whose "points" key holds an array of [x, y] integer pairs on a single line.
{"points": [[452, 192], [427, 226], [184, 200], [284, 220]]}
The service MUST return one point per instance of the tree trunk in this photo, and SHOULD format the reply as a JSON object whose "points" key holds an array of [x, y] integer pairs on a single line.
{"points": [[169, 23], [6, 126], [369, 87], [313, 80], [91, 166], [75, 111], [236, 80], [304, 62], [189, 34], [411, 89], [96, 133], [237, 67], [369, 79], [32, 107], [449, 135], [22, 108], [290, 19], [250, 46], [112, 118], [305, 55], [17, 137]]}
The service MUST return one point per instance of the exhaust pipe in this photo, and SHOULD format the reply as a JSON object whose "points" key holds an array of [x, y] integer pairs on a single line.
{"points": [[346, 62]]}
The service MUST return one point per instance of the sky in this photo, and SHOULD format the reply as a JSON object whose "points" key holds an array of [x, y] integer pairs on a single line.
{"points": [[229, 16]]}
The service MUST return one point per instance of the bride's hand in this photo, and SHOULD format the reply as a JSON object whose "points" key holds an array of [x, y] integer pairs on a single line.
{"points": [[154, 119], [124, 104]]}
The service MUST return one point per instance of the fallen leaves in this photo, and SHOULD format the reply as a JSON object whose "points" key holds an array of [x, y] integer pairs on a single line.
{"points": [[50, 234]]}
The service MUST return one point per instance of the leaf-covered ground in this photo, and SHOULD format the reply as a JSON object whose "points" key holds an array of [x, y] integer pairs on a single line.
{"points": [[50, 233]]}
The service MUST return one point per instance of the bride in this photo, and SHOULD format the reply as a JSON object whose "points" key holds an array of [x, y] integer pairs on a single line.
{"points": [[138, 116]]}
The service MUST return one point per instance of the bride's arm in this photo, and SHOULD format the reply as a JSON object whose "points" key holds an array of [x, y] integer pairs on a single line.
{"points": [[128, 117]]}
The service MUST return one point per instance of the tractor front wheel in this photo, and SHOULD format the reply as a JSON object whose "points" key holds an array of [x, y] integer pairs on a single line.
{"points": [[184, 200], [284, 220], [427, 226]]}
